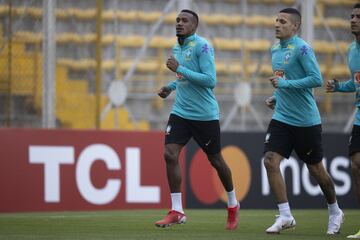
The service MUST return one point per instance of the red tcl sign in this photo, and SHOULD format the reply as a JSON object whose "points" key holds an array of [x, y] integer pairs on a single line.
{"points": [[81, 170]]}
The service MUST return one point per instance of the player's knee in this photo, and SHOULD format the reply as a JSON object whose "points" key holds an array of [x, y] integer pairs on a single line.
{"points": [[215, 161], [170, 157], [269, 162], [315, 173]]}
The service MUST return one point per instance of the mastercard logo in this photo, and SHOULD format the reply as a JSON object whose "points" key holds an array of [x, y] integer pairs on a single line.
{"points": [[206, 184]]}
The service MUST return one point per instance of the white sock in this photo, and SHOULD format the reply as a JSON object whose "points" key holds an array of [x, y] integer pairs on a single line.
{"points": [[232, 202], [333, 209], [176, 203], [284, 209]]}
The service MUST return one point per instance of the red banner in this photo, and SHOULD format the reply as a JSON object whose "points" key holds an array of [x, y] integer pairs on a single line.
{"points": [[42, 170]]}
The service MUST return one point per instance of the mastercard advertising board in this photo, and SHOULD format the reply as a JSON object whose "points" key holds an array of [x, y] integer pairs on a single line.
{"points": [[243, 152]]}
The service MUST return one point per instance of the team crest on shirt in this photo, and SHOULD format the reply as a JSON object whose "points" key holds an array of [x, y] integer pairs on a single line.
{"points": [[168, 129], [357, 77], [290, 46], [192, 44], [287, 57], [188, 54]]}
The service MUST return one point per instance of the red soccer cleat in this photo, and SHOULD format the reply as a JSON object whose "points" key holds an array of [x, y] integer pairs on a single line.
{"points": [[233, 217], [173, 217]]}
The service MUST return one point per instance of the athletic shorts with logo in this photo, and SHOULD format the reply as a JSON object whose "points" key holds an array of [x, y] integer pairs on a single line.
{"points": [[283, 138], [205, 133]]}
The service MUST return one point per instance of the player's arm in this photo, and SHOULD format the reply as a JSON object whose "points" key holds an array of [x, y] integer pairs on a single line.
{"points": [[172, 85], [346, 86], [336, 86], [165, 91], [207, 75], [313, 77], [270, 102]]}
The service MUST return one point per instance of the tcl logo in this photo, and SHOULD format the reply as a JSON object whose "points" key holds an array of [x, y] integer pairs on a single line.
{"points": [[52, 157]]}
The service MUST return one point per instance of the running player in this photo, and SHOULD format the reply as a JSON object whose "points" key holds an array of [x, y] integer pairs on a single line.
{"points": [[195, 114], [296, 123]]}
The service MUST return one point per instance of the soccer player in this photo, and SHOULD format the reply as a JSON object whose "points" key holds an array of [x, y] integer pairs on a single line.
{"points": [[195, 113], [296, 123], [353, 85]]}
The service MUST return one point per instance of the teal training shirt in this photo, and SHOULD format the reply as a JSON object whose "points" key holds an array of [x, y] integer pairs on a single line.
{"points": [[294, 61], [195, 80], [353, 84]]}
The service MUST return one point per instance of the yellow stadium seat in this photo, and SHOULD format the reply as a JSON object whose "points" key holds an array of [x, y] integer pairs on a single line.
{"points": [[340, 71], [259, 21], [170, 18], [127, 15], [260, 45], [329, 47], [332, 22], [338, 2], [287, 2], [227, 44], [148, 16]]}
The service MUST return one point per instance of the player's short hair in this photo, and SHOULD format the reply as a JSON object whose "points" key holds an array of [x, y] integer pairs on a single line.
{"points": [[295, 14], [357, 5], [193, 14]]}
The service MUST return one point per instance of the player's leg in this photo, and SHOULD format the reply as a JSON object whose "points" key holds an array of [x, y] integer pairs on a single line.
{"points": [[207, 136], [285, 220], [324, 180], [355, 168], [354, 152], [336, 216], [224, 173], [308, 147], [173, 171], [176, 136], [278, 144]]}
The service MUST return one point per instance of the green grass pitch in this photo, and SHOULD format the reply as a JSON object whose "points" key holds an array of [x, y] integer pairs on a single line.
{"points": [[139, 224]]}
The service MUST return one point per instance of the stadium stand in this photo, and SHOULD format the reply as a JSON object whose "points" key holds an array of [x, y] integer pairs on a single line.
{"points": [[242, 53]]}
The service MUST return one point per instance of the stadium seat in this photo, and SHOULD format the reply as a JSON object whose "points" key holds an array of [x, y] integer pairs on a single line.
{"points": [[338, 2], [216, 19], [235, 57], [255, 20], [340, 70]]}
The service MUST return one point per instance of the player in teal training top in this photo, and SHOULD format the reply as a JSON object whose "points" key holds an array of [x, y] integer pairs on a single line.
{"points": [[195, 114], [296, 123], [353, 85]]}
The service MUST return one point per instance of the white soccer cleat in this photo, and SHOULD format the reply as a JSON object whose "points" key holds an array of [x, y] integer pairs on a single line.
{"points": [[335, 222], [355, 236], [281, 223]]}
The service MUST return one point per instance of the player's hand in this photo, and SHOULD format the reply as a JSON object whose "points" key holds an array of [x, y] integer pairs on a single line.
{"points": [[330, 85], [164, 92], [270, 102], [274, 81], [172, 63]]}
